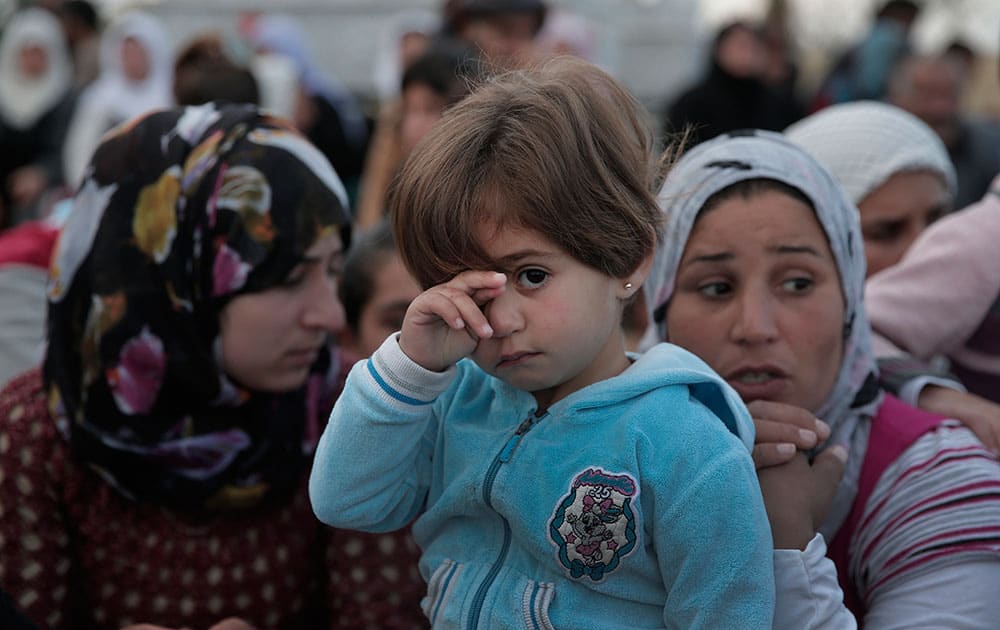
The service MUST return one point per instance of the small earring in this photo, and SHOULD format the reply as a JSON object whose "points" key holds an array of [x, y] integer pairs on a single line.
{"points": [[628, 286]]}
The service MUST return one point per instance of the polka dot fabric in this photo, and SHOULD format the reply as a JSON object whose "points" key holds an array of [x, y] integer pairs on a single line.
{"points": [[74, 553]]}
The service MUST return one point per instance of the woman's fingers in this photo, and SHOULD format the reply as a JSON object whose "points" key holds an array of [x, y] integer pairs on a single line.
{"points": [[775, 431], [772, 454], [780, 422]]}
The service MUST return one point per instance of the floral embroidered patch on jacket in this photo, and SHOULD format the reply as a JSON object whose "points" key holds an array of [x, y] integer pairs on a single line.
{"points": [[594, 526]]}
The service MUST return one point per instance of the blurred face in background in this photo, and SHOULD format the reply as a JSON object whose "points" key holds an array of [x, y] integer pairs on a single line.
{"points": [[32, 61], [741, 53], [135, 60], [930, 89], [505, 38], [895, 213], [422, 107]]}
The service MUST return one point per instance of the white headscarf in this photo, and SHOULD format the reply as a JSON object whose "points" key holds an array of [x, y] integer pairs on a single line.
{"points": [[112, 98], [124, 97], [864, 143], [24, 100], [732, 158]]}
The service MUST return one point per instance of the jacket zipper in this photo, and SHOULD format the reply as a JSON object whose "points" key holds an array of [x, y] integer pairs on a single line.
{"points": [[502, 457]]}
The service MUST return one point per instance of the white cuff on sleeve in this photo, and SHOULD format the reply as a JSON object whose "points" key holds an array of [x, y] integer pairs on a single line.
{"points": [[403, 377]]}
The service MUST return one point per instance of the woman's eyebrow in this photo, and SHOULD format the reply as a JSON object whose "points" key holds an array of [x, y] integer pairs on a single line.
{"points": [[795, 249], [713, 258]]}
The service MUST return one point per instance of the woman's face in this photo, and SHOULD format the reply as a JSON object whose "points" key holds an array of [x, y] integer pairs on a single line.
{"points": [[32, 61], [758, 298], [270, 339], [895, 213], [135, 60]]}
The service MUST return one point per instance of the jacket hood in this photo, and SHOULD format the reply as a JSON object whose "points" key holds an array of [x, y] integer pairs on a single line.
{"points": [[664, 365]]}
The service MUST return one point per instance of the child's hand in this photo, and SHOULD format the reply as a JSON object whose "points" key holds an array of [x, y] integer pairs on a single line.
{"points": [[446, 322]]}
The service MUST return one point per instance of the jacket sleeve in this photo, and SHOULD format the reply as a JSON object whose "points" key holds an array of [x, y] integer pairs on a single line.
{"points": [[711, 530], [373, 462]]}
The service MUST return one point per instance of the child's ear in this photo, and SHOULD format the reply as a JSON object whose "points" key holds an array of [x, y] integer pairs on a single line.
{"points": [[632, 283]]}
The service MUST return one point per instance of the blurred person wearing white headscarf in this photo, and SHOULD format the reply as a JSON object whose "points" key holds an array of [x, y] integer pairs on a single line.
{"points": [[35, 106], [136, 77], [892, 165]]}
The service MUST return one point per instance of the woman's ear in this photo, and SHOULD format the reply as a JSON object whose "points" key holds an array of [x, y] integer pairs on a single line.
{"points": [[632, 283]]}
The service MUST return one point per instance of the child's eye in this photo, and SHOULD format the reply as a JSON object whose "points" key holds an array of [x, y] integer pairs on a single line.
{"points": [[797, 285], [532, 278], [715, 289]]}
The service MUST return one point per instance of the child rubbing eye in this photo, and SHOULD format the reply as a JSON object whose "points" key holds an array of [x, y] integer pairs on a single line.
{"points": [[556, 480]]}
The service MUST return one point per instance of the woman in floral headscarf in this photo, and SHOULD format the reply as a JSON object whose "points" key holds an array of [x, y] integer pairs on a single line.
{"points": [[761, 274], [153, 468]]}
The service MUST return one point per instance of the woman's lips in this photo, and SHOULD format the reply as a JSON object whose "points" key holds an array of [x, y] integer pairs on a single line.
{"points": [[758, 383]]}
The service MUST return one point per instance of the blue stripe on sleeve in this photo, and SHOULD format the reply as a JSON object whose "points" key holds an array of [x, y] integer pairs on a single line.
{"points": [[392, 392]]}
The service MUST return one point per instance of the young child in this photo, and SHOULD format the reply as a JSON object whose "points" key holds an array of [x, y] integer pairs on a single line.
{"points": [[558, 480]]}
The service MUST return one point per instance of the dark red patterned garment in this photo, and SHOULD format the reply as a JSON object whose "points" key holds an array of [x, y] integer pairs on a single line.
{"points": [[75, 553]]}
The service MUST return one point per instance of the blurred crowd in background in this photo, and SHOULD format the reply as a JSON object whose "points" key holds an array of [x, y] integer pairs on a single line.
{"points": [[70, 70]]}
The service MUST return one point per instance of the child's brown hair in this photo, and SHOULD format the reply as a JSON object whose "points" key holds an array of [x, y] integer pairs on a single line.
{"points": [[562, 149]]}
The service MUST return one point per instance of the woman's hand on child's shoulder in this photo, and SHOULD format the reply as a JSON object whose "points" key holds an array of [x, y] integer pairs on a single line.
{"points": [[446, 322]]}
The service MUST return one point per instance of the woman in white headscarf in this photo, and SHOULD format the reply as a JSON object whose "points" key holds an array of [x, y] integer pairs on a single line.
{"points": [[892, 166], [35, 106], [761, 274], [895, 168], [136, 77]]}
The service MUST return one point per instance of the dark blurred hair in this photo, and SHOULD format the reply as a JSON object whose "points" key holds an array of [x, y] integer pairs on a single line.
{"points": [[365, 257], [448, 68], [458, 12], [203, 72], [82, 11]]}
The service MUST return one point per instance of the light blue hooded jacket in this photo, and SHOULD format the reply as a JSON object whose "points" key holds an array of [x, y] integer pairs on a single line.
{"points": [[631, 503]]}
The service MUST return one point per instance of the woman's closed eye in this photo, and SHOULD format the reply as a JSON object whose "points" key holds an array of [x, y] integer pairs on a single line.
{"points": [[532, 278]]}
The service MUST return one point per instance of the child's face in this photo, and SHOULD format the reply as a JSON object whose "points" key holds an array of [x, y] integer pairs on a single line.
{"points": [[557, 323]]}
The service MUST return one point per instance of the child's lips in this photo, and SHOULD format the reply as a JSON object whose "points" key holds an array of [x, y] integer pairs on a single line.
{"points": [[515, 358]]}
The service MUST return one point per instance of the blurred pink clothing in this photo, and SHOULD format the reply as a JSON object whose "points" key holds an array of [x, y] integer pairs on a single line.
{"points": [[943, 297]]}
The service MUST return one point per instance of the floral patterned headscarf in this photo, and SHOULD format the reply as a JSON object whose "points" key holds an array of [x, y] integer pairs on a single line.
{"points": [[179, 212]]}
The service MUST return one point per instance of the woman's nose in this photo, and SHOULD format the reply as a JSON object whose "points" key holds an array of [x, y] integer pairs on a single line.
{"points": [[322, 308], [755, 320]]}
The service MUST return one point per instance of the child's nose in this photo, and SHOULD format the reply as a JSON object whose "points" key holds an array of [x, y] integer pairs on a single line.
{"points": [[504, 314]]}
